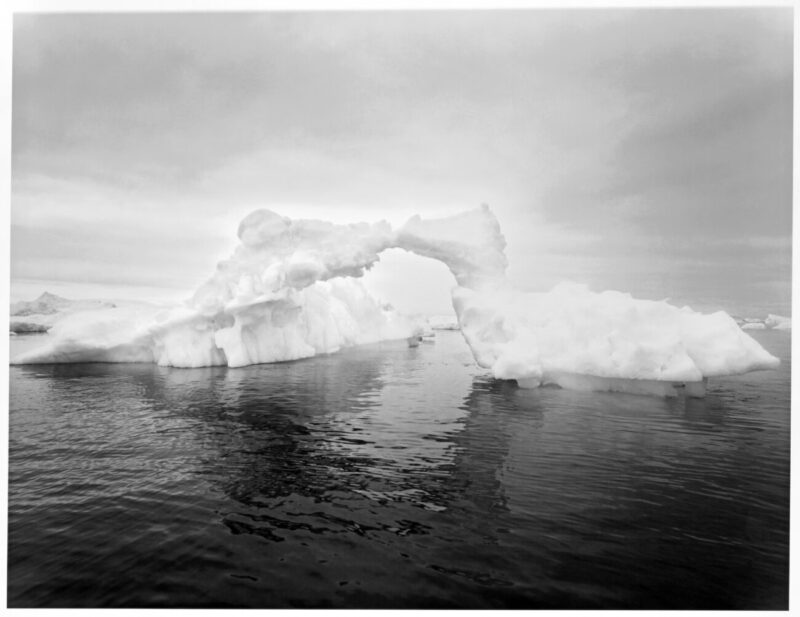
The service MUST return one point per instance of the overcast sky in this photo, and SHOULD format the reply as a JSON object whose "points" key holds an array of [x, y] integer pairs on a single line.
{"points": [[642, 150]]}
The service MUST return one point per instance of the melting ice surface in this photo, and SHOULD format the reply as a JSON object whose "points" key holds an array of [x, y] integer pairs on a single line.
{"points": [[291, 290]]}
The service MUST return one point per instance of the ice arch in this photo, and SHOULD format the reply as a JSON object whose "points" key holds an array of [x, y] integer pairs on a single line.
{"points": [[287, 291], [291, 290], [277, 255]]}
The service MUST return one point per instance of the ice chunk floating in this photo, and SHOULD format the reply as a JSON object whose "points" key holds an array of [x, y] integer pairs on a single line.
{"points": [[291, 290]]}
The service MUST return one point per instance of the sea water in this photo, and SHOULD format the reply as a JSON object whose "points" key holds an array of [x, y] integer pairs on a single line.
{"points": [[392, 477]]}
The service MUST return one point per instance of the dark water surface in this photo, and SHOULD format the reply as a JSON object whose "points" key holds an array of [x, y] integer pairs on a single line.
{"points": [[389, 476]]}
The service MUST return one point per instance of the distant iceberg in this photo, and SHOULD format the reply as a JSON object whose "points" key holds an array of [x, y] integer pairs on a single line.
{"points": [[41, 314], [777, 322], [291, 290], [46, 304], [771, 322]]}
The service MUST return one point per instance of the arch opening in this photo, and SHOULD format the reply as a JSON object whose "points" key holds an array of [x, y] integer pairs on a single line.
{"points": [[410, 283]]}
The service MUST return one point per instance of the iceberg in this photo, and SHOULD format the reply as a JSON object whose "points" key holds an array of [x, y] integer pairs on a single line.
{"points": [[291, 290]]}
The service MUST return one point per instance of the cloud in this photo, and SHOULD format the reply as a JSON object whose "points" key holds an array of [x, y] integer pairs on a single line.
{"points": [[704, 146]]}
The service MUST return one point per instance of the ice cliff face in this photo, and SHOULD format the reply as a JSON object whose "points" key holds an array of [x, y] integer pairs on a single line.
{"points": [[291, 290]]}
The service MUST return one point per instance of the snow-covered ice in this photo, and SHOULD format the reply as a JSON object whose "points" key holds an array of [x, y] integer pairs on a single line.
{"points": [[579, 339], [291, 290], [443, 322]]}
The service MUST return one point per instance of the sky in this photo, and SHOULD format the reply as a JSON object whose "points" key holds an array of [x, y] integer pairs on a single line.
{"points": [[644, 150]]}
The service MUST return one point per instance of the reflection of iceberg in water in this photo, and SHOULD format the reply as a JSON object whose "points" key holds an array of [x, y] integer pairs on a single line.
{"points": [[502, 497], [290, 291], [301, 430], [296, 435]]}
